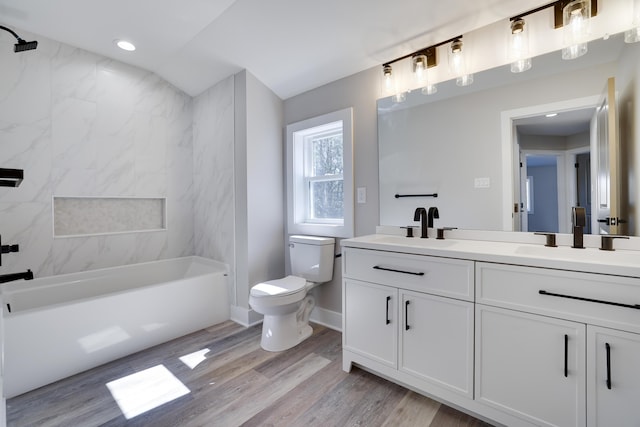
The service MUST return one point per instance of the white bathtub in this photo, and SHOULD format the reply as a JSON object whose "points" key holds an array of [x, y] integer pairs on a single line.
{"points": [[58, 326]]}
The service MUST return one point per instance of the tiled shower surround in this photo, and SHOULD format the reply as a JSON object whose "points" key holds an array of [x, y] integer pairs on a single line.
{"points": [[82, 125]]}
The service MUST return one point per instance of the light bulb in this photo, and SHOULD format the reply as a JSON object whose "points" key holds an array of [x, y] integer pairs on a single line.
{"points": [[575, 18], [519, 47], [458, 65]]}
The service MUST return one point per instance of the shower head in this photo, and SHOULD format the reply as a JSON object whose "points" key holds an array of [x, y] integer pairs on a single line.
{"points": [[22, 45]]}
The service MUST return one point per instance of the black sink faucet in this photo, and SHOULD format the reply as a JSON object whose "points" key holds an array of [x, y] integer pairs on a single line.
{"points": [[27, 275], [579, 221], [433, 213], [421, 215]]}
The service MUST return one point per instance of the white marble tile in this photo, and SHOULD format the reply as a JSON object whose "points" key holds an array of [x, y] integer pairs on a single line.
{"points": [[28, 148], [74, 74], [73, 182], [29, 226], [150, 246], [74, 254], [25, 86], [73, 134]]}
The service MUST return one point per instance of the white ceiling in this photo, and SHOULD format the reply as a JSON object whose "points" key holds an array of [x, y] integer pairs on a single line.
{"points": [[290, 45], [566, 123]]}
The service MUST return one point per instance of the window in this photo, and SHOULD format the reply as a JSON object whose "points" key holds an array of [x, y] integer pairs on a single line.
{"points": [[319, 175]]}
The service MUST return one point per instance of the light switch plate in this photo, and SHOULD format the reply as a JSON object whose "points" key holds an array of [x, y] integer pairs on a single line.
{"points": [[362, 195]]}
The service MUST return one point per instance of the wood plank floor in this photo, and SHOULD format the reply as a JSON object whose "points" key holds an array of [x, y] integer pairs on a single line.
{"points": [[236, 383]]}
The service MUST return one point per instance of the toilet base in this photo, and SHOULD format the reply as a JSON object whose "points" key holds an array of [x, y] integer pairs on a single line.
{"points": [[284, 331]]}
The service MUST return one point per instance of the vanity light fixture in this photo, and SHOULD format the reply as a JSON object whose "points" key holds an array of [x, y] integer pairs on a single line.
{"points": [[519, 46], [396, 80], [458, 64], [125, 45], [575, 19]]}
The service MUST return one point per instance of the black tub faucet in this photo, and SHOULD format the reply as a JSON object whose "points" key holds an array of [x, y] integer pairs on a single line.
{"points": [[433, 213], [6, 249], [27, 275], [421, 215]]}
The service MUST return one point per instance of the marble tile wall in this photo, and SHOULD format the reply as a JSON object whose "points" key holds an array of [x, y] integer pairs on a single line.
{"points": [[80, 124], [213, 174]]}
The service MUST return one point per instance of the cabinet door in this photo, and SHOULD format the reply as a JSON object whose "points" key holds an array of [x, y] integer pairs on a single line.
{"points": [[436, 340], [613, 378], [370, 323], [531, 366]]}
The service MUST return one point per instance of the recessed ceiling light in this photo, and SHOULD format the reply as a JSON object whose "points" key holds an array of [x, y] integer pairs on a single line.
{"points": [[125, 45], [551, 115]]}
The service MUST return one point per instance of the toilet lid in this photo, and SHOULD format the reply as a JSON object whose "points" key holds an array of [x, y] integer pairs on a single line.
{"points": [[280, 287]]}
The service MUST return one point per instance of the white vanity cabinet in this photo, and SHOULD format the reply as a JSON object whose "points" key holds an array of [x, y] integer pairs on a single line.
{"points": [[542, 342], [501, 330], [531, 366], [400, 318], [371, 321], [613, 384]]}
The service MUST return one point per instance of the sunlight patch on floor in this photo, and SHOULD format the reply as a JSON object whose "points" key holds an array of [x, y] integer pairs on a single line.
{"points": [[138, 393], [194, 359]]}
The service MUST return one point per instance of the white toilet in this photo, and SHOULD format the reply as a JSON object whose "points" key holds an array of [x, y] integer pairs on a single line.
{"points": [[285, 302]]}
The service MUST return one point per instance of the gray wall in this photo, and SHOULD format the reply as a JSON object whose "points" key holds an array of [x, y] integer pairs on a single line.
{"points": [[260, 244], [545, 198], [360, 92]]}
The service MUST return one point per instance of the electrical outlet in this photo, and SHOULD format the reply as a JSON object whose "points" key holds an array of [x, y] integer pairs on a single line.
{"points": [[482, 183]]}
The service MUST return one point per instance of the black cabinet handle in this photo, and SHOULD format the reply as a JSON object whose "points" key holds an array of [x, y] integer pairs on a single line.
{"points": [[406, 316], [608, 347], [618, 304], [566, 355], [387, 315], [415, 273]]}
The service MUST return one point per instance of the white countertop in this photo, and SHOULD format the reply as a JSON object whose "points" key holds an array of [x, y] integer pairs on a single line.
{"points": [[592, 260]]}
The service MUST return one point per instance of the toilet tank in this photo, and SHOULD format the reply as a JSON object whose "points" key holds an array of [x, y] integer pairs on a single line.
{"points": [[312, 257]]}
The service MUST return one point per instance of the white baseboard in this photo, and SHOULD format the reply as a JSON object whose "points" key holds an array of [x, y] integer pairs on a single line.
{"points": [[245, 316], [328, 318]]}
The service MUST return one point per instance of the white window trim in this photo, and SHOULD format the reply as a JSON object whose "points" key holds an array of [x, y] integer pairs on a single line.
{"points": [[294, 190]]}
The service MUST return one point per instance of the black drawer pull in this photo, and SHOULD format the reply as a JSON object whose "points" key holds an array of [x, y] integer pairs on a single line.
{"points": [[608, 347], [618, 304], [415, 273], [387, 315], [406, 316], [566, 355]]}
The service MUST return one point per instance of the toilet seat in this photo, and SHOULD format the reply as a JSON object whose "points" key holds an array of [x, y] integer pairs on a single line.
{"points": [[281, 291]]}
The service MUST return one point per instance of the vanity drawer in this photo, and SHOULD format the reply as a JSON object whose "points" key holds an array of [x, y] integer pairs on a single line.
{"points": [[584, 297], [441, 276]]}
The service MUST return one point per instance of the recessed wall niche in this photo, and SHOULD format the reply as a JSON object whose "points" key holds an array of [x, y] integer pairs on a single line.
{"points": [[82, 216]]}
